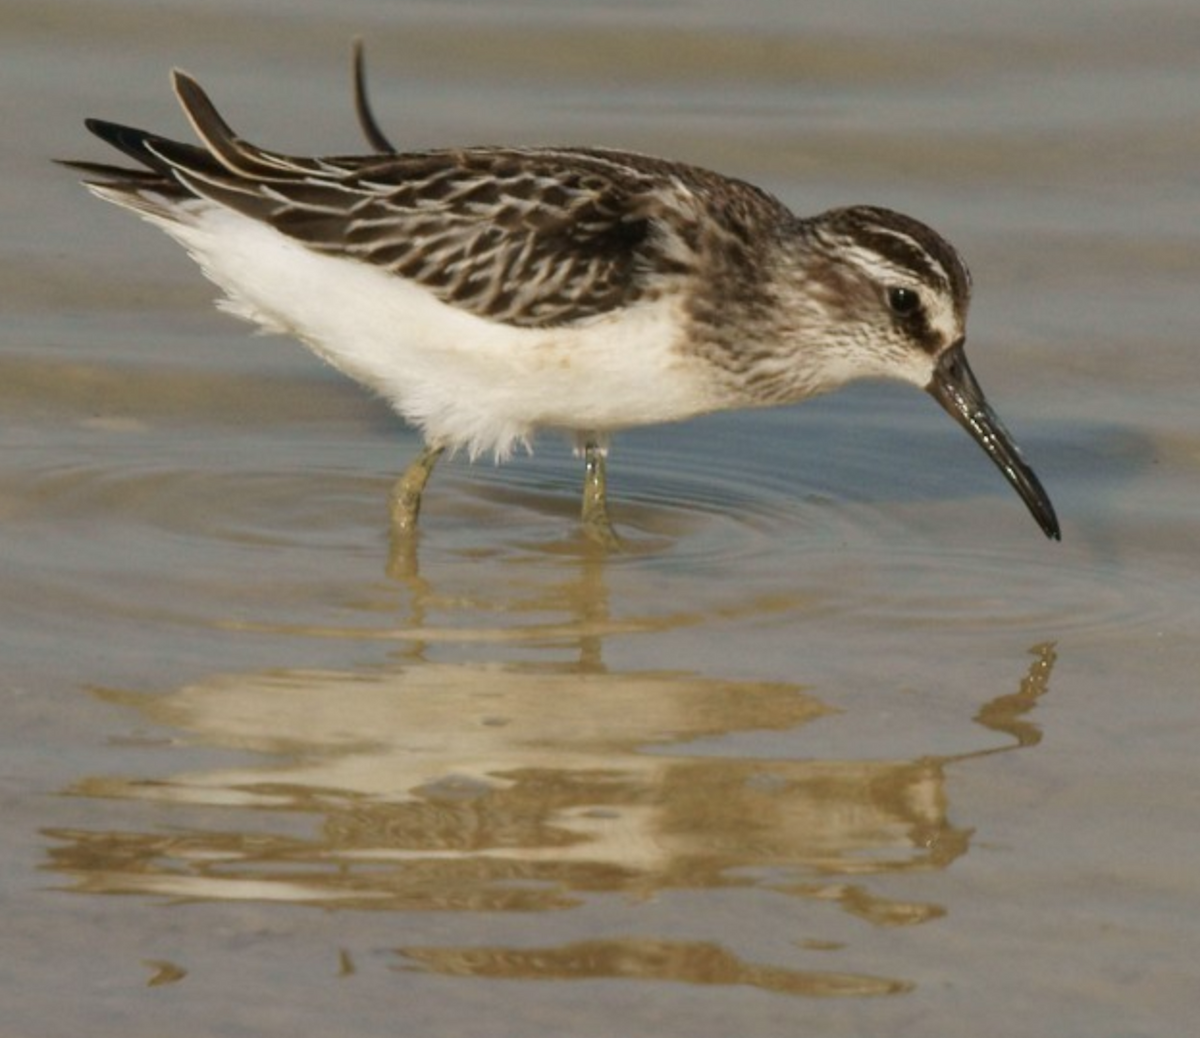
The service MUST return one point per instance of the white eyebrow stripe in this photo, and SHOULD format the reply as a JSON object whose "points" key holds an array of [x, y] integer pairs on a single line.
{"points": [[878, 267], [912, 243]]}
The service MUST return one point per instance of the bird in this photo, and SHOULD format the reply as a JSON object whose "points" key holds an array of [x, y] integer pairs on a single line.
{"points": [[490, 293]]}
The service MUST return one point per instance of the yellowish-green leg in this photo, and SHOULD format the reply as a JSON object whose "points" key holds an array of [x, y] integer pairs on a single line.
{"points": [[597, 526], [406, 493]]}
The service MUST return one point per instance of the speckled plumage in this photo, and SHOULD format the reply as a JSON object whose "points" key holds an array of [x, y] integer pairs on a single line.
{"points": [[491, 292]]}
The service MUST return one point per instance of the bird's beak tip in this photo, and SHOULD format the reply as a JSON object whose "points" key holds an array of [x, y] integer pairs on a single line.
{"points": [[953, 385]]}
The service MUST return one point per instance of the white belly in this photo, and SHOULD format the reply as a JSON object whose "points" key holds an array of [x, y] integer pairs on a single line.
{"points": [[465, 381]]}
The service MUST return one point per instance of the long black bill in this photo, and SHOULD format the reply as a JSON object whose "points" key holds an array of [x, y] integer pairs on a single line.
{"points": [[954, 387]]}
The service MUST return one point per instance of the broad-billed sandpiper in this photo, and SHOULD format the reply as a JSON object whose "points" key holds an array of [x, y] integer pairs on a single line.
{"points": [[490, 292]]}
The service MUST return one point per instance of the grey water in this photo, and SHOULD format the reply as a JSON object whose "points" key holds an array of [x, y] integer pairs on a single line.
{"points": [[841, 744]]}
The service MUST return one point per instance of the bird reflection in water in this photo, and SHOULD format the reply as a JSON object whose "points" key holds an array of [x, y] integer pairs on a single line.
{"points": [[531, 786]]}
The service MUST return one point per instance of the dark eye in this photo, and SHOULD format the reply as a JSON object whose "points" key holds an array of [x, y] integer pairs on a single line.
{"points": [[903, 301]]}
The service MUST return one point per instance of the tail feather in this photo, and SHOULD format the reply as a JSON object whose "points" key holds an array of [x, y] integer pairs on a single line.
{"points": [[169, 172], [239, 157], [131, 141], [362, 103], [153, 189], [224, 168], [104, 173]]}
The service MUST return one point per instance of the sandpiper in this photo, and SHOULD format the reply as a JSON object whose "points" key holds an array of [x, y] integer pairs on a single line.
{"points": [[488, 293]]}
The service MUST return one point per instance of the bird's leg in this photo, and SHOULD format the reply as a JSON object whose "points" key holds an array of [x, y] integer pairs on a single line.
{"points": [[406, 493], [597, 527]]}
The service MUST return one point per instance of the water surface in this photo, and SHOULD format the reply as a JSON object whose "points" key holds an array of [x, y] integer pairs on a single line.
{"points": [[840, 745]]}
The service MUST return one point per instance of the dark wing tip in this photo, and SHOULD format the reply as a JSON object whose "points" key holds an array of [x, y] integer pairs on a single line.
{"points": [[362, 104], [127, 139]]}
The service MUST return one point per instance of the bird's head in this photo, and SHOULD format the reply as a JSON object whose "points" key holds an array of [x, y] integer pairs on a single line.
{"points": [[885, 296]]}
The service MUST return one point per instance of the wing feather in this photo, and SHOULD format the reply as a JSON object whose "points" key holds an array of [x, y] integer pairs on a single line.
{"points": [[529, 237]]}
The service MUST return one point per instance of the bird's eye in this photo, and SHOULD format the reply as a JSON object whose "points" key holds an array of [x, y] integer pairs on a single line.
{"points": [[903, 301]]}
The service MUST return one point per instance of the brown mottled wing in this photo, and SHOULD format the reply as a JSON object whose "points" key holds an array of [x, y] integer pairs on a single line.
{"points": [[531, 238], [527, 239]]}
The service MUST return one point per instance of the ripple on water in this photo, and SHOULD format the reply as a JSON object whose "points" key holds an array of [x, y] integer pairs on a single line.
{"points": [[756, 529], [926, 586], [267, 507], [685, 506], [967, 562]]}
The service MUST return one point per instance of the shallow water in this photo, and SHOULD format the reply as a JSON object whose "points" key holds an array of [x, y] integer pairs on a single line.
{"points": [[840, 745]]}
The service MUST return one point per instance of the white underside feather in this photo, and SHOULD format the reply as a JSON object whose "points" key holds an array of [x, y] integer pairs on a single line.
{"points": [[466, 382]]}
